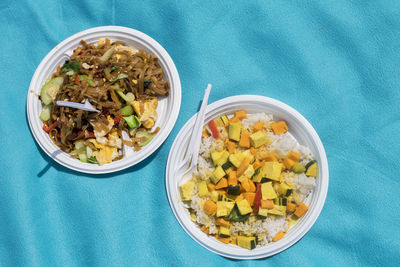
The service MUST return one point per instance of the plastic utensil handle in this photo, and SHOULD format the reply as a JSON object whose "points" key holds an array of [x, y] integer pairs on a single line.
{"points": [[193, 137], [87, 106], [199, 127]]}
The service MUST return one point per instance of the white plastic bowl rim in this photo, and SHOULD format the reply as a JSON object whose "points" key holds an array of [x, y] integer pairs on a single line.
{"points": [[299, 127], [168, 108]]}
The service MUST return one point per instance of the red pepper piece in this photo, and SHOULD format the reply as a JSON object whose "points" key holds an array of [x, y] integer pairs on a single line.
{"points": [[90, 134], [48, 128], [77, 81], [117, 119], [214, 130], [257, 199]]}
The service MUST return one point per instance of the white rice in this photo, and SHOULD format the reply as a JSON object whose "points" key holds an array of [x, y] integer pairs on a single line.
{"points": [[264, 229]]}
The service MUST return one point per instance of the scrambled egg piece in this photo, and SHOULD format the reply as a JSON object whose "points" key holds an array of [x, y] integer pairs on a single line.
{"points": [[106, 154], [148, 114], [98, 129], [111, 139]]}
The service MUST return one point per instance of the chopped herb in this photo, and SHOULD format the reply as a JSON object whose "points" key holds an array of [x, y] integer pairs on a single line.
{"points": [[92, 159], [71, 65], [146, 83], [113, 68]]}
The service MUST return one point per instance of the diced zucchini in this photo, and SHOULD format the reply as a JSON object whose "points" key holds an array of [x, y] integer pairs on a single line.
{"points": [[280, 201], [272, 170], [214, 195], [219, 157], [217, 174], [234, 190], [262, 213], [312, 168], [224, 232], [284, 189], [258, 175], [226, 165], [244, 207], [234, 131], [247, 153], [229, 206], [187, 190], [267, 191], [202, 189], [221, 209], [298, 168], [278, 210], [248, 242], [236, 158], [258, 139], [248, 173]]}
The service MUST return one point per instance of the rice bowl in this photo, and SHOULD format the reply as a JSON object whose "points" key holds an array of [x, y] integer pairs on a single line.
{"points": [[302, 132]]}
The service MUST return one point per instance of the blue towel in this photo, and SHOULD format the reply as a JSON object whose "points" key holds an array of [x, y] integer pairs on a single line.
{"points": [[336, 62]]}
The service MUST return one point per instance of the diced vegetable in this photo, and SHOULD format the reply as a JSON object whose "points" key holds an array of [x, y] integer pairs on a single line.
{"points": [[45, 113], [222, 183], [267, 204], [298, 168], [257, 198], [234, 131], [236, 159], [241, 114], [258, 126], [144, 135], [226, 166], [258, 139], [232, 178], [278, 210], [294, 156], [290, 206], [210, 187], [268, 191], [187, 190], [210, 207], [301, 210], [217, 174], [107, 54], [223, 231], [214, 129], [214, 196], [221, 209], [248, 242], [234, 190], [279, 127], [219, 157], [87, 79], [244, 207], [244, 140], [272, 170], [127, 110], [243, 166], [231, 147], [284, 189], [250, 197], [263, 213], [50, 89], [311, 168], [202, 189], [132, 121], [235, 215], [129, 97], [278, 236], [221, 221], [269, 157]]}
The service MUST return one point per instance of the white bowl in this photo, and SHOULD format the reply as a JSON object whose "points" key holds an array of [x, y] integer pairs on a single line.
{"points": [[167, 109], [299, 127]]}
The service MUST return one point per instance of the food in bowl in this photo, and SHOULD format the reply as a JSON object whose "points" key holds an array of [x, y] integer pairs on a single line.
{"points": [[251, 182], [122, 82]]}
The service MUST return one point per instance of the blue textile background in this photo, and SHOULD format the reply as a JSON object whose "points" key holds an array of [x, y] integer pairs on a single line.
{"points": [[336, 62]]}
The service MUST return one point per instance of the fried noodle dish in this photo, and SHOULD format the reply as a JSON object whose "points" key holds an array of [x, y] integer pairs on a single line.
{"points": [[120, 81]]}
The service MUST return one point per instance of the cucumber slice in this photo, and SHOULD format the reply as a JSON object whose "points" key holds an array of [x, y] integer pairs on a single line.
{"points": [[129, 97], [45, 113], [89, 152], [87, 79], [50, 90], [142, 134], [83, 157]]}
